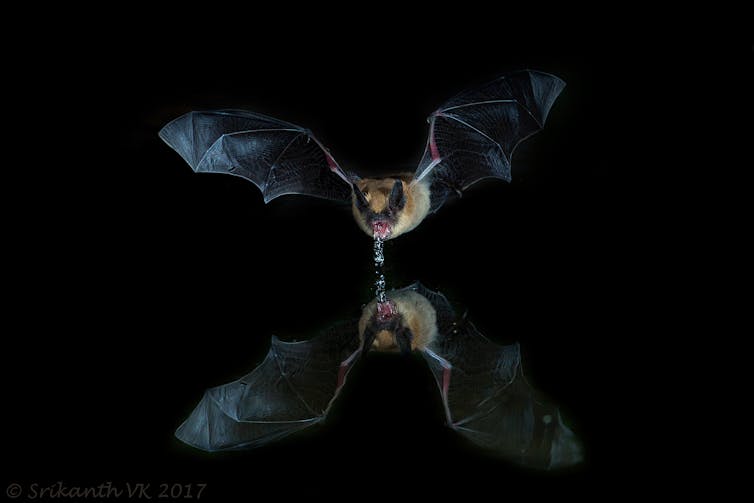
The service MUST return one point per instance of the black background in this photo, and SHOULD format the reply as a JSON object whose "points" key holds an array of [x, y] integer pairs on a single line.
{"points": [[139, 283]]}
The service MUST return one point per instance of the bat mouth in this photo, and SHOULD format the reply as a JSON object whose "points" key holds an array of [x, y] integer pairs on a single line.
{"points": [[381, 229], [386, 311]]}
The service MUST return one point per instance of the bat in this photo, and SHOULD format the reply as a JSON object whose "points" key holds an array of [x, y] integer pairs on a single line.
{"points": [[485, 395], [471, 137]]}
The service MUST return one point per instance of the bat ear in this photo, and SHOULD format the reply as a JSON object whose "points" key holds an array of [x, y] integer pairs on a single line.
{"points": [[361, 200], [403, 338], [397, 197]]}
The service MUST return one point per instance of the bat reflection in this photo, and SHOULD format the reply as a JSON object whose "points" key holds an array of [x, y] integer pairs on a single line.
{"points": [[485, 395]]}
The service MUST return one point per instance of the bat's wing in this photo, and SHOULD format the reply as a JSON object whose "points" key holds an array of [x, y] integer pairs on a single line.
{"points": [[290, 390], [473, 135], [278, 157], [487, 399]]}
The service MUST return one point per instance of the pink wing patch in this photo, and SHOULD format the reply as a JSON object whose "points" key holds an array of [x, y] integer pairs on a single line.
{"points": [[432, 144], [331, 162]]}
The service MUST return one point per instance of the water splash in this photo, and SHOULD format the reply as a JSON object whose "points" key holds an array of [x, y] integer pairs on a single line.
{"points": [[379, 260]]}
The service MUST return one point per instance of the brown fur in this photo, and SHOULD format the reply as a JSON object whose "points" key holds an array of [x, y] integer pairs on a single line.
{"points": [[417, 313], [377, 192], [384, 341]]}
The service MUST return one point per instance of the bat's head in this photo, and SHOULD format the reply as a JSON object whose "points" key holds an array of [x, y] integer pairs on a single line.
{"points": [[386, 329], [379, 206], [404, 322]]}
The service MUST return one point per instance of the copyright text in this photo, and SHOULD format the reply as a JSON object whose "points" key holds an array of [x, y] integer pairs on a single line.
{"points": [[106, 490]]}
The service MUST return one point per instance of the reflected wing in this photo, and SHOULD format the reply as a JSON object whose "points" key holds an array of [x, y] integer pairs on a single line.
{"points": [[291, 389], [278, 157], [473, 135], [489, 402]]}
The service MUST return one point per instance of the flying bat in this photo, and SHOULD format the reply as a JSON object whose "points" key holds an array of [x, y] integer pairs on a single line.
{"points": [[485, 395], [471, 137]]}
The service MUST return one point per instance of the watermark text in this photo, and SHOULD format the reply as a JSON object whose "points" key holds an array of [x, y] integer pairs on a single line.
{"points": [[106, 490]]}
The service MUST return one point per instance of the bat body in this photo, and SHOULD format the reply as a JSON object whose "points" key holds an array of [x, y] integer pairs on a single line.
{"points": [[406, 322], [485, 395], [471, 137]]}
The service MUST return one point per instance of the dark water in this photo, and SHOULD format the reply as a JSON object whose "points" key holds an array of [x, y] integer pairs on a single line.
{"points": [[134, 284]]}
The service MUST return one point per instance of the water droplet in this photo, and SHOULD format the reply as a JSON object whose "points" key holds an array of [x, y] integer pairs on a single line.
{"points": [[379, 260], [379, 256]]}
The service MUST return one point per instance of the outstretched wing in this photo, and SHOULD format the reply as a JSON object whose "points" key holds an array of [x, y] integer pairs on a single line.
{"points": [[488, 400], [290, 390], [473, 135], [278, 157]]}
